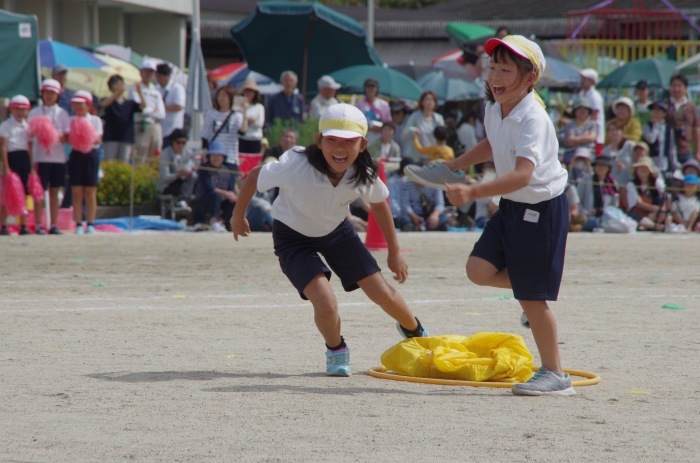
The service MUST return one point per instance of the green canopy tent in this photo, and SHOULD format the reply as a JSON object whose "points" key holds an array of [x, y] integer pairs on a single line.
{"points": [[656, 71], [307, 38], [19, 66]]}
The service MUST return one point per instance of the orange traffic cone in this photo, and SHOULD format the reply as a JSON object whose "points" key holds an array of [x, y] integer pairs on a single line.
{"points": [[375, 239]]}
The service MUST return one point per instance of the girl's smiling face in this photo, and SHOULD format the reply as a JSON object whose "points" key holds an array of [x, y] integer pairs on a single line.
{"points": [[507, 86], [340, 153]]}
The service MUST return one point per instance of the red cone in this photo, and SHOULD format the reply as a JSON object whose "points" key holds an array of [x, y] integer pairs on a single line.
{"points": [[375, 239]]}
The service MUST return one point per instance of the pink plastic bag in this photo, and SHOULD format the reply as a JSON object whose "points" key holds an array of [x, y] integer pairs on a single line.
{"points": [[35, 188], [44, 131], [14, 197], [82, 135]]}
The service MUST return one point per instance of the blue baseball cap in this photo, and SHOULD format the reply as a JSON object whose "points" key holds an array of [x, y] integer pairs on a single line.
{"points": [[216, 147], [690, 179]]}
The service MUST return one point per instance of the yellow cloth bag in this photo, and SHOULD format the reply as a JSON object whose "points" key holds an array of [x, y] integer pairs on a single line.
{"points": [[481, 357]]}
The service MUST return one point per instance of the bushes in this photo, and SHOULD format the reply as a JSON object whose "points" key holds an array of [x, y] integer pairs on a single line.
{"points": [[307, 131], [114, 187]]}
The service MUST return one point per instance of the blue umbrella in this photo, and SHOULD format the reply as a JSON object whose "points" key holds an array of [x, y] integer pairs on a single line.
{"points": [[449, 88], [52, 53]]}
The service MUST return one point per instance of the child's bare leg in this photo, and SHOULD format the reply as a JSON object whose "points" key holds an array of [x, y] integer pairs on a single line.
{"points": [[53, 204], [38, 209], [77, 196], [484, 273], [90, 203], [321, 296], [389, 299], [544, 329]]}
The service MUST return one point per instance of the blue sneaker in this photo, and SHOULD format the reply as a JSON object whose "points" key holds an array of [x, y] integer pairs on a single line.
{"points": [[80, 230], [90, 230], [423, 332], [338, 362], [545, 382]]}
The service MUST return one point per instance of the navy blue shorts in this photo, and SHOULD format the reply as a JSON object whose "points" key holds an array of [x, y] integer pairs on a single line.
{"points": [[52, 175], [342, 249], [18, 161], [530, 241], [83, 168]]}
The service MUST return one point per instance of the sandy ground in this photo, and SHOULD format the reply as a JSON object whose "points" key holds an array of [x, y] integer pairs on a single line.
{"points": [[193, 348]]}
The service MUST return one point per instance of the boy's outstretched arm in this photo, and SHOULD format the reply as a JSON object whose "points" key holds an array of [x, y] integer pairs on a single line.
{"points": [[460, 194], [239, 224]]}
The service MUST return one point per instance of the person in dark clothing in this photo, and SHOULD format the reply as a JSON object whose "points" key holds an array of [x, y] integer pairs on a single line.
{"points": [[119, 120], [215, 192]]}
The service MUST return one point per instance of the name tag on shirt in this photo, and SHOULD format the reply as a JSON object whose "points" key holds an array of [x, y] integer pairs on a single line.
{"points": [[531, 216]]}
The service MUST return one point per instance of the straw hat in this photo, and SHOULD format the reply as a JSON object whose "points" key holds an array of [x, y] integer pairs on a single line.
{"points": [[250, 85], [645, 161]]}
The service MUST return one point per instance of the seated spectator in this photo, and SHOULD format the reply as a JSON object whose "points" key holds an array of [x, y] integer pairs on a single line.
{"points": [[623, 108], [580, 172], [288, 140], [602, 193], [642, 197], [686, 206], [119, 120], [691, 167], [385, 146], [580, 132], [215, 194], [176, 169], [620, 150], [438, 151], [658, 133], [422, 208], [466, 131]]}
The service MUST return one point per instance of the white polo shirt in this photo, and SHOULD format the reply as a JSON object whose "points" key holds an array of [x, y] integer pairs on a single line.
{"points": [[154, 111], [173, 94], [308, 202], [597, 104], [529, 133], [16, 134], [61, 120]]}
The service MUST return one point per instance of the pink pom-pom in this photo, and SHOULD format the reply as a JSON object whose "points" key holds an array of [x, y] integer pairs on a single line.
{"points": [[14, 197], [82, 135], [44, 131], [35, 188]]}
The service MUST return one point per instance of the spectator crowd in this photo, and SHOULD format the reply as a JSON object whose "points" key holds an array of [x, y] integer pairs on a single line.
{"points": [[633, 164]]}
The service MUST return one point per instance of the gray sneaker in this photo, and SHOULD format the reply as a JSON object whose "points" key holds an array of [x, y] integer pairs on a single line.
{"points": [[524, 321], [545, 383], [434, 175]]}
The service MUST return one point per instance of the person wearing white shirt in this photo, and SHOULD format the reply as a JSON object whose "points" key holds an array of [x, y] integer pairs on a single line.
{"points": [[149, 139], [327, 86], [589, 78], [250, 140], [51, 161], [14, 153], [174, 100]]}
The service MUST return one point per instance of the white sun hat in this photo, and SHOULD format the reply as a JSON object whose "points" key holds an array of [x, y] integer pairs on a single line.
{"points": [[344, 121]]}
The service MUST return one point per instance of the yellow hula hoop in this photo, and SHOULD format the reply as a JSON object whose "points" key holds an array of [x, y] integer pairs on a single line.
{"points": [[383, 373]]}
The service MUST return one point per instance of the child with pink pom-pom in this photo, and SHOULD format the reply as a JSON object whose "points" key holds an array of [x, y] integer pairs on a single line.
{"points": [[47, 149], [14, 150], [85, 135]]}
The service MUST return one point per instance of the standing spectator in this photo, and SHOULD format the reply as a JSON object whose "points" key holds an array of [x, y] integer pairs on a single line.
{"points": [[215, 192], [174, 100], [375, 109], [223, 123], [149, 138], [581, 132], [620, 150], [119, 120], [176, 170], [398, 118], [15, 155], [51, 161], [287, 105], [385, 147], [658, 134], [589, 79], [84, 167], [288, 140], [423, 122], [250, 141], [327, 87], [466, 131], [642, 101], [59, 73], [623, 108], [683, 115]]}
